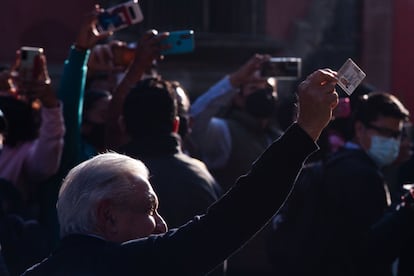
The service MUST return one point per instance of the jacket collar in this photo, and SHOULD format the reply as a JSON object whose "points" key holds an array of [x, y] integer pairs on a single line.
{"points": [[151, 146]]}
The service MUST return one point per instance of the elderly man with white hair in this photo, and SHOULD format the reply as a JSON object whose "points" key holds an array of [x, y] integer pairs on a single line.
{"points": [[108, 210]]}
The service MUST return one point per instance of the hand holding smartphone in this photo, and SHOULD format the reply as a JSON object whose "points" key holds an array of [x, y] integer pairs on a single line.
{"points": [[120, 16]]}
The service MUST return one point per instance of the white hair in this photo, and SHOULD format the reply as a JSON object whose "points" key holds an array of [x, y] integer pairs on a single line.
{"points": [[105, 176]]}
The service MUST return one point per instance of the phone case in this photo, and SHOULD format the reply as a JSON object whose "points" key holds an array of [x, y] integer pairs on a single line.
{"points": [[120, 16], [180, 41]]}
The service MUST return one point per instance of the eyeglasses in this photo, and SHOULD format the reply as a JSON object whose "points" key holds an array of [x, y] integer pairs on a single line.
{"points": [[385, 131]]}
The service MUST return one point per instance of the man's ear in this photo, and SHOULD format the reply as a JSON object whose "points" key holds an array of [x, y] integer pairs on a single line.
{"points": [[176, 124], [106, 219]]}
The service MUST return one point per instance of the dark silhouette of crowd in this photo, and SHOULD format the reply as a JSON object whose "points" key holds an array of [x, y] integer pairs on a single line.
{"points": [[114, 171]]}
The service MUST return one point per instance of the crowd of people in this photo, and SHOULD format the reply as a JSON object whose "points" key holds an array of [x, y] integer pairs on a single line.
{"points": [[118, 173]]}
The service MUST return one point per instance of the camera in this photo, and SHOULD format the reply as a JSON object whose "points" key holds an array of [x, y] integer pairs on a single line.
{"points": [[180, 42], [285, 68], [29, 67], [120, 16]]}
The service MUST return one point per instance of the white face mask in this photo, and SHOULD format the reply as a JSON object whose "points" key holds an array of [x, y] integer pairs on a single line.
{"points": [[384, 150]]}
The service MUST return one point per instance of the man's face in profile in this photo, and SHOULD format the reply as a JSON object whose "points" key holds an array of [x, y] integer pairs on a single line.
{"points": [[134, 218]]}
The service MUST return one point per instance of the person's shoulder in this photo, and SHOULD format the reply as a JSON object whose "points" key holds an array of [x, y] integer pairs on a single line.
{"points": [[41, 268], [189, 160], [194, 166], [346, 156], [351, 166]]}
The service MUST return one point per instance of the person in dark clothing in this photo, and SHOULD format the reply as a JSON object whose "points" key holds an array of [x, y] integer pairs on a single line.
{"points": [[233, 121], [183, 184], [349, 233], [108, 200]]}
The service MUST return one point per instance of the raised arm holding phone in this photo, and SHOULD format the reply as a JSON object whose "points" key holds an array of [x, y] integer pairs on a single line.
{"points": [[148, 50], [72, 87], [31, 150]]}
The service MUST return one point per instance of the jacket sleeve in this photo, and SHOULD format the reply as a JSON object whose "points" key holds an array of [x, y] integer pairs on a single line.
{"points": [[45, 154], [71, 91]]}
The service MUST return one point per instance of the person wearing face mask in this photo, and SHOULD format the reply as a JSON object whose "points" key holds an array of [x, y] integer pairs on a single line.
{"points": [[351, 237], [232, 123]]}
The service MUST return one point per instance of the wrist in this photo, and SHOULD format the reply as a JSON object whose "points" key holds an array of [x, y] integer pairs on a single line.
{"points": [[235, 81], [134, 73], [129, 81], [312, 131], [80, 47], [50, 103]]}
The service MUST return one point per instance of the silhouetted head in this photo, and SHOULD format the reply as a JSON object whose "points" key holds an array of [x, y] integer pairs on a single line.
{"points": [[23, 121], [150, 108]]}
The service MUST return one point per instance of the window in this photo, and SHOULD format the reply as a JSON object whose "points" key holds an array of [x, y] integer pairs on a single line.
{"points": [[204, 16]]}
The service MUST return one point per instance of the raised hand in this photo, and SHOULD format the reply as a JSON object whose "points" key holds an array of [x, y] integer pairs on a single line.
{"points": [[41, 87], [148, 50], [88, 34], [317, 99], [248, 71]]}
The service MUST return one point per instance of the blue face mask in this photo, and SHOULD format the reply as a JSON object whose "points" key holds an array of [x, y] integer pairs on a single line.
{"points": [[384, 150]]}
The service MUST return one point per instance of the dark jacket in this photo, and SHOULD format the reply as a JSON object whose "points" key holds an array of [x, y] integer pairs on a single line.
{"points": [[355, 231], [204, 242], [356, 198], [183, 184]]}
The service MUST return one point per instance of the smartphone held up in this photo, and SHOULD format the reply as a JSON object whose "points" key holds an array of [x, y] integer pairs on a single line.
{"points": [[177, 42], [120, 16], [29, 67], [284, 68]]}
